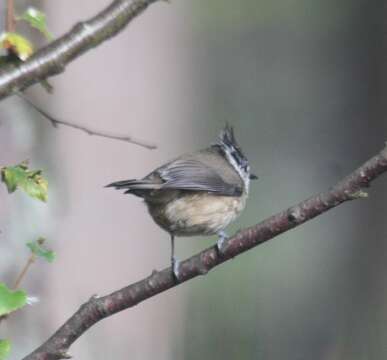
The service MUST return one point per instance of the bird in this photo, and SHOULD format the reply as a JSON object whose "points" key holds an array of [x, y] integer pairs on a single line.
{"points": [[198, 193]]}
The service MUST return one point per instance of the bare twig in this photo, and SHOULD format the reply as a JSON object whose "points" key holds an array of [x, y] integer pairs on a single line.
{"points": [[55, 122], [98, 308], [53, 58], [10, 20], [24, 271]]}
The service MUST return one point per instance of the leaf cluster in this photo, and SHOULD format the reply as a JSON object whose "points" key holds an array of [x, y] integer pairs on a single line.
{"points": [[38, 249], [34, 184], [30, 181]]}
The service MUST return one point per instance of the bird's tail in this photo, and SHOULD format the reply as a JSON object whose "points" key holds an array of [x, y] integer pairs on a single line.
{"points": [[136, 187]]}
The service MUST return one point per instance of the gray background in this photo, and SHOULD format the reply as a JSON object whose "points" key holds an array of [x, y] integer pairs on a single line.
{"points": [[303, 82]]}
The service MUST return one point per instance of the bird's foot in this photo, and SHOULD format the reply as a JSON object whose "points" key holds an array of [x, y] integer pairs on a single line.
{"points": [[176, 268], [221, 244]]}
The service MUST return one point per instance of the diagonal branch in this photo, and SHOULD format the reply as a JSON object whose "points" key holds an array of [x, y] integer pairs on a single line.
{"points": [[53, 58], [98, 308]]}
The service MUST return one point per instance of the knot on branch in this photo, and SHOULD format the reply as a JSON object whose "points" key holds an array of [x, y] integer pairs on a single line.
{"points": [[295, 215]]}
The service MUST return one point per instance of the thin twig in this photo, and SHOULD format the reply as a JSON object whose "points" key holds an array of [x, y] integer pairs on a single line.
{"points": [[53, 58], [98, 308], [55, 122], [10, 20], [24, 271]]}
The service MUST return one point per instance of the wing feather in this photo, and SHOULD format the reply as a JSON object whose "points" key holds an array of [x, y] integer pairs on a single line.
{"points": [[191, 174], [182, 174]]}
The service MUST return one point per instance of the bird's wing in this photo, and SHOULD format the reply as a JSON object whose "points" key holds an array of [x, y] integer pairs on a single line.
{"points": [[191, 174]]}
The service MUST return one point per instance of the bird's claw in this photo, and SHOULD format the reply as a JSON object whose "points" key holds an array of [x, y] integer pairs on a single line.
{"points": [[221, 244], [176, 269]]}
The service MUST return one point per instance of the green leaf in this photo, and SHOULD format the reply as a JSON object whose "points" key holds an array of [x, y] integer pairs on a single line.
{"points": [[11, 300], [17, 44], [37, 20], [5, 348], [32, 182], [40, 250]]}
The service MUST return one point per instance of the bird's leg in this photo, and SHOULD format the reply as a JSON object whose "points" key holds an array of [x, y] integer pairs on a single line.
{"points": [[174, 262], [222, 241]]}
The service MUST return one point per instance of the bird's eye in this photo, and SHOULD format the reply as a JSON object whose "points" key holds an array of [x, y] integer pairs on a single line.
{"points": [[246, 168]]}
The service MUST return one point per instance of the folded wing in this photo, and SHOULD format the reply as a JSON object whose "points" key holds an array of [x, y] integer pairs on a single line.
{"points": [[181, 174]]}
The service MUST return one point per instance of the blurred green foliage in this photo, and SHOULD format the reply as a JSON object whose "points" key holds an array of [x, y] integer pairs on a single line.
{"points": [[5, 348], [37, 20], [31, 181], [37, 248], [16, 44], [11, 300]]}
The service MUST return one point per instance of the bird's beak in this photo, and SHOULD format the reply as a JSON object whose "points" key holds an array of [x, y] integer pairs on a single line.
{"points": [[253, 177]]}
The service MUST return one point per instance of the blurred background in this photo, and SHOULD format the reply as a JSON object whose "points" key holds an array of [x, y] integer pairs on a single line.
{"points": [[303, 82]]}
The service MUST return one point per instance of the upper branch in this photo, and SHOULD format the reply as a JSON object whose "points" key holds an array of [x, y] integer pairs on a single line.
{"points": [[53, 58], [97, 308]]}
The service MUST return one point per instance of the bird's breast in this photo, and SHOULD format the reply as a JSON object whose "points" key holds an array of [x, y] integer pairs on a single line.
{"points": [[196, 213]]}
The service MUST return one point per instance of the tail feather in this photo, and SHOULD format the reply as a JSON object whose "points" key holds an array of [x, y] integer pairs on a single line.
{"points": [[124, 183], [133, 185]]}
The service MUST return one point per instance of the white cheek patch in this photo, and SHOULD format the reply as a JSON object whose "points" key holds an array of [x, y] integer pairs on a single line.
{"points": [[245, 176]]}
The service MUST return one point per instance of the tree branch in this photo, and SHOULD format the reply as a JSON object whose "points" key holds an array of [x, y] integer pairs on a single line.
{"points": [[53, 58], [98, 308], [55, 122]]}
